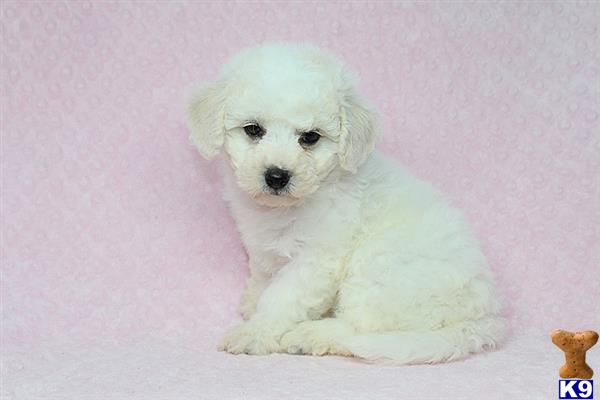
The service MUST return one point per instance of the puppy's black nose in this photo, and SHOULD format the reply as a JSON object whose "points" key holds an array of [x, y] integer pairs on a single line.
{"points": [[276, 178]]}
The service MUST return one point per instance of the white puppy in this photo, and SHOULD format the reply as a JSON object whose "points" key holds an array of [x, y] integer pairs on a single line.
{"points": [[349, 253]]}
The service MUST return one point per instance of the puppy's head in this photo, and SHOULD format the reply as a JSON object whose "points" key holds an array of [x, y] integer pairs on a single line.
{"points": [[287, 117]]}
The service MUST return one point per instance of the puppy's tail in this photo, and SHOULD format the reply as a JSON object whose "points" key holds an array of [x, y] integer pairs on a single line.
{"points": [[450, 343]]}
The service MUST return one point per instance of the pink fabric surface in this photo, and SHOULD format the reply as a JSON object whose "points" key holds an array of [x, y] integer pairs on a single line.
{"points": [[113, 226], [155, 368]]}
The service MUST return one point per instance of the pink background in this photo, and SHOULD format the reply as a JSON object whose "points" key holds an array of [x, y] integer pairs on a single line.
{"points": [[113, 226]]}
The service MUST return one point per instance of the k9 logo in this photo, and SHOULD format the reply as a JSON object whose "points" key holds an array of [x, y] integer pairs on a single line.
{"points": [[575, 389]]}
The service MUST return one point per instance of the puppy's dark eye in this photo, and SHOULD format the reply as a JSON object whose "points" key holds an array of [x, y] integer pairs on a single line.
{"points": [[309, 138], [254, 131]]}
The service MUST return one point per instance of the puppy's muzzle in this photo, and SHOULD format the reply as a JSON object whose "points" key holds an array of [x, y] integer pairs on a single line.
{"points": [[277, 178]]}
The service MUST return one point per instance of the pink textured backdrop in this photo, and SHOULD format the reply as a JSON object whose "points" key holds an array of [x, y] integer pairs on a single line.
{"points": [[113, 226]]}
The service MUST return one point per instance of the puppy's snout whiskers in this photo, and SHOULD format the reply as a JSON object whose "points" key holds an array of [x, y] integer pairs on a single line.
{"points": [[285, 191]]}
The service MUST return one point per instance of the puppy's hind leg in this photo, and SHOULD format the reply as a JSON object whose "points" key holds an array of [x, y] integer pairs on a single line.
{"points": [[318, 337], [449, 343]]}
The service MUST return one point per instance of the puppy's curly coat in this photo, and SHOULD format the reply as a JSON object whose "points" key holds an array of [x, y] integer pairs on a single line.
{"points": [[349, 253]]}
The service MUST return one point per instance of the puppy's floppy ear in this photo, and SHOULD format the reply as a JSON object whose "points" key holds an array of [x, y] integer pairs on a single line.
{"points": [[358, 131], [205, 118]]}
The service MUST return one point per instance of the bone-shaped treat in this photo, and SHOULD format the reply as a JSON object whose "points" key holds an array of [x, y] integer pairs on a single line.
{"points": [[575, 345]]}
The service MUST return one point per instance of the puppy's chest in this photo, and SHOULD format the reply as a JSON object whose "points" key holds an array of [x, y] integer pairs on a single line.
{"points": [[281, 232], [283, 235]]}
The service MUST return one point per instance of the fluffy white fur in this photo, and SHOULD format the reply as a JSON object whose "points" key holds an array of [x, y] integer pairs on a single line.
{"points": [[356, 256]]}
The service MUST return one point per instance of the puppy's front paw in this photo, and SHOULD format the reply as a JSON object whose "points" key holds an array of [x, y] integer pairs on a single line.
{"points": [[253, 337], [315, 338]]}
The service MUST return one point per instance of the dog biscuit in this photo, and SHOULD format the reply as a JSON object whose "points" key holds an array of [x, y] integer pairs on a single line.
{"points": [[575, 345]]}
